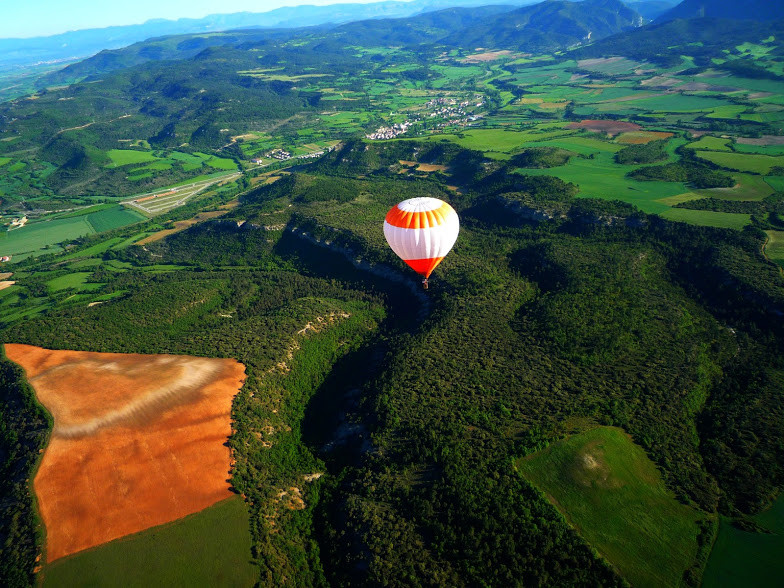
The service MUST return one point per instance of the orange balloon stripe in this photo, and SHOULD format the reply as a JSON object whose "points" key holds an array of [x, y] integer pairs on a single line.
{"points": [[424, 267], [418, 220]]}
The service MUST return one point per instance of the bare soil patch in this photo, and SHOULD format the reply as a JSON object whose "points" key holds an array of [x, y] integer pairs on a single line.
{"points": [[611, 127], [186, 224], [6, 283], [486, 56], [138, 440], [597, 61], [762, 141], [423, 167], [643, 137]]}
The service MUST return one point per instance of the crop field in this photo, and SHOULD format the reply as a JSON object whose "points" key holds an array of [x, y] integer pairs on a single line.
{"points": [[601, 177], [75, 280], [710, 143], [774, 249], [35, 238], [775, 182], [150, 429], [113, 218], [740, 558], [761, 149], [612, 493], [43, 236], [759, 164], [209, 548], [150, 162], [120, 157], [708, 218], [748, 187]]}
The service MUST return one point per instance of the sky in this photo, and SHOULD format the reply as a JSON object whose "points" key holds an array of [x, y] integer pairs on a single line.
{"points": [[35, 18]]}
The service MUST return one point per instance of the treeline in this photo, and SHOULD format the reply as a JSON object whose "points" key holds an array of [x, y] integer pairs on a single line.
{"points": [[24, 430], [645, 153], [541, 157], [691, 172]]}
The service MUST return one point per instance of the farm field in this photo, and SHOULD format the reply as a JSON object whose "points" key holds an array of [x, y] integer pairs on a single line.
{"points": [[755, 163], [741, 558], [208, 548], [775, 246], [614, 496], [708, 218], [44, 236], [148, 430], [600, 177]]}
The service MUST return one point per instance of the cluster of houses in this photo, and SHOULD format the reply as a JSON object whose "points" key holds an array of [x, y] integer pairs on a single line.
{"points": [[390, 132], [449, 111]]}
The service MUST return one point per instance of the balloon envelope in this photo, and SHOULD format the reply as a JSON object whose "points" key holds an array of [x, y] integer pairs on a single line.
{"points": [[421, 231]]}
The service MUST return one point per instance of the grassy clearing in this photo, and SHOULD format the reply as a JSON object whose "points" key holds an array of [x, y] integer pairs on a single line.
{"points": [[758, 164], [34, 238], [75, 280], [120, 157], [709, 143], [97, 249], [210, 548], [775, 246], [708, 218], [748, 187], [113, 218], [775, 182], [601, 177], [613, 494], [741, 559]]}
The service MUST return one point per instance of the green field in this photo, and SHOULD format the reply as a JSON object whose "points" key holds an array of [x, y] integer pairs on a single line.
{"points": [[113, 218], [774, 248], [759, 164], [601, 177], [44, 236], [710, 143], [499, 140], [68, 281], [35, 237], [748, 187], [740, 558], [209, 548], [707, 218], [612, 493], [120, 157]]}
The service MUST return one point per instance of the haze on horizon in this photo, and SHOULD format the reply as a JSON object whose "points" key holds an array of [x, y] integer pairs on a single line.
{"points": [[24, 20]]}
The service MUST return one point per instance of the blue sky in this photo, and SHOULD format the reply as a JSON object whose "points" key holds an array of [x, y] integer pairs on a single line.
{"points": [[32, 18]]}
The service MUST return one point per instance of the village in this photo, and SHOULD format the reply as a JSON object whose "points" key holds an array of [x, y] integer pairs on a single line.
{"points": [[448, 112]]}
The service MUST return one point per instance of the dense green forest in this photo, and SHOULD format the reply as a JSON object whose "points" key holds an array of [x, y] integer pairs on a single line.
{"points": [[534, 330]]}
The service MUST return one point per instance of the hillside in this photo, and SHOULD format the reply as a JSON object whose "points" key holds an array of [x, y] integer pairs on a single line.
{"points": [[549, 26], [758, 10]]}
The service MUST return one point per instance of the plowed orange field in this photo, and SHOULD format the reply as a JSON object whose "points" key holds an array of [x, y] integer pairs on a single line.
{"points": [[138, 440]]}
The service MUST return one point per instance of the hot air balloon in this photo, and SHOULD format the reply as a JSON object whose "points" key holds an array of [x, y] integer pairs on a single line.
{"points": [[421, 231]]}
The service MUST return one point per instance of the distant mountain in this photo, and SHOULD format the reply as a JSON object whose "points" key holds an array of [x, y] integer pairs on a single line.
{"points": [[430, 27], [761, 10], [651, 9], [549, 26], [666, 42], [87, 42]]}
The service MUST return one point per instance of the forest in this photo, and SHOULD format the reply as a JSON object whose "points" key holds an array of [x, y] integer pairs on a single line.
{"points": [[535, 329]]}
